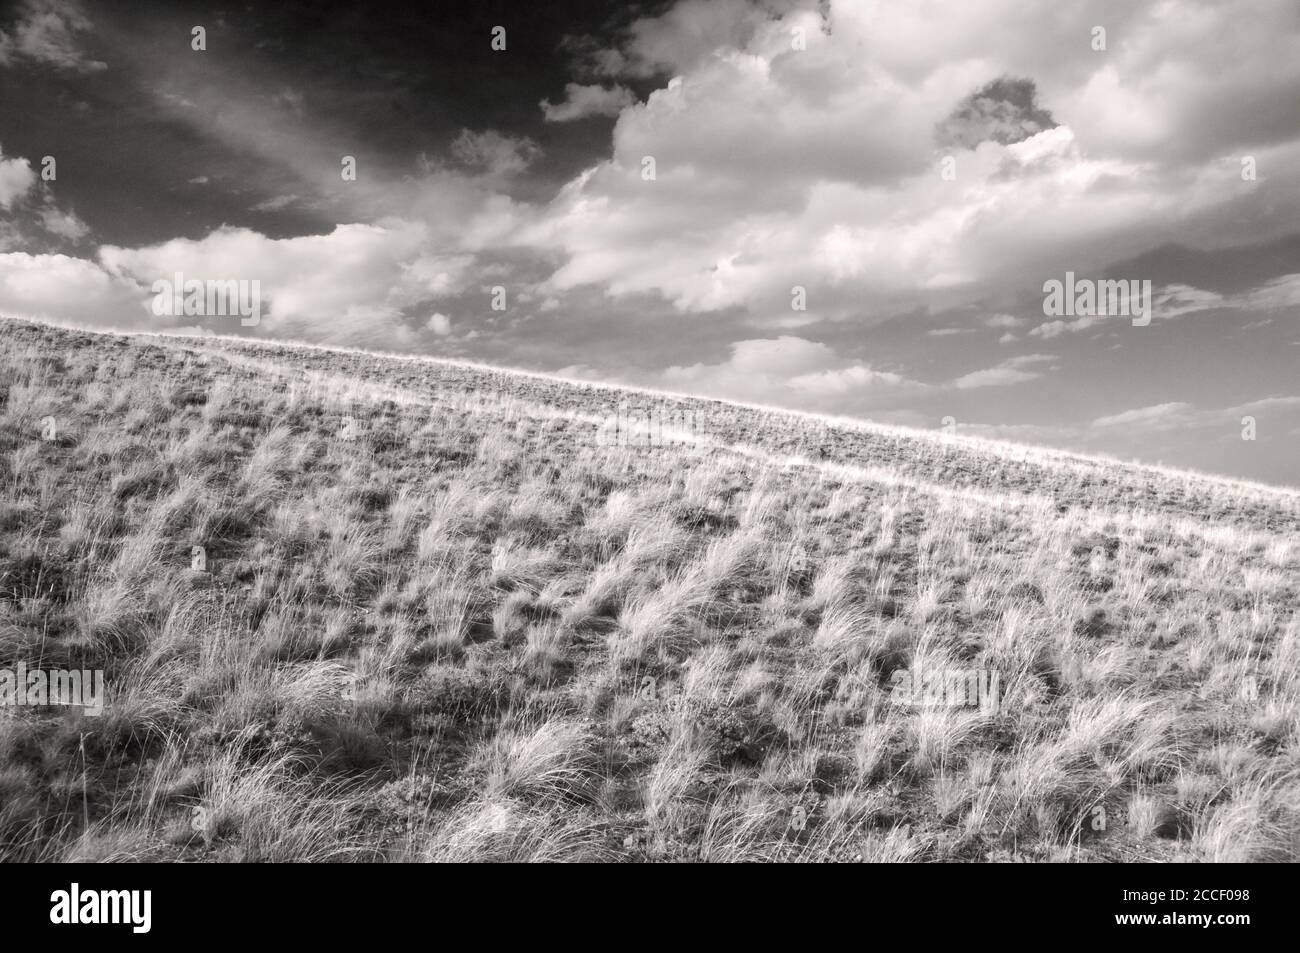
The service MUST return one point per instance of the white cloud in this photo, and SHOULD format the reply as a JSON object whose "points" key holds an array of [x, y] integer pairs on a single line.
{"points": [[820, 167], [1016, 370], [686, 34], [796, 372], [791, 371], [61, 288], [439, 324], [1180, 415], [17, 186], [275, 203], [1179, 300], [350, 286], [63, 224], [1054, 329], [16, 178], [1176, 300], [582, 101], [853, 379], [1154, 417], [1279, 294]]}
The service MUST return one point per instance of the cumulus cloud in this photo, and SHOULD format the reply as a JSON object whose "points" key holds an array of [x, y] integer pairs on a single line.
{"points": [[16, 178], [63, 288], [353, 285], [33, 210], [676, 40], [818, 164]]}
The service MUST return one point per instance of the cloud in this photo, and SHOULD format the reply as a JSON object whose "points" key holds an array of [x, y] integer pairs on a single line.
{"points": [[1180, 300], [809, 374], [62, 288], [1154, 417], [275, 204], [33, 209], [1054, 329], [679, 39], [582, 101], [439, 324], [64, 224], [1042, 434], [1180, 415], [459, 193], [46, 32], [354, 285], [1176, 300], [1280, 293], [1016, 370], [494, 153], [779, 166], [853, 379], [1003, 111], [16, 178], [792, 371]]}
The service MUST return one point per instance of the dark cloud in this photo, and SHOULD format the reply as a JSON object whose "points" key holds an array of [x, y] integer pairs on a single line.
{"points": [[1003, 111], [1222, 270]]}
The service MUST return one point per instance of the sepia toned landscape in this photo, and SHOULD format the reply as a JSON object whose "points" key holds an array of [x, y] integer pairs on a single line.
{"points": [[362, 607]]}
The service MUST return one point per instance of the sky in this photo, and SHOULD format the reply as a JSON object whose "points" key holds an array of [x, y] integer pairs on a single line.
{"points": [[844, 207]]}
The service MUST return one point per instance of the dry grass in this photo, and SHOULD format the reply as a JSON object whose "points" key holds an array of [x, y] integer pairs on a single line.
{"points": [[437, 618]]}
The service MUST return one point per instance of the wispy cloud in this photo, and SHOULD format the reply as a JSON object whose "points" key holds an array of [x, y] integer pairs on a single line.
{"points": [[1016, 370], [582, 101], [46, 32]]}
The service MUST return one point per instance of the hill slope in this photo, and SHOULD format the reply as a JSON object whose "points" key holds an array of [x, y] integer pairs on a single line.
{"points": [[351, 606]]}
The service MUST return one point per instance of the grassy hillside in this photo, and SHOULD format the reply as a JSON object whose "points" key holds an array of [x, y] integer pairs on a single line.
{"points": [[443, 612]]}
